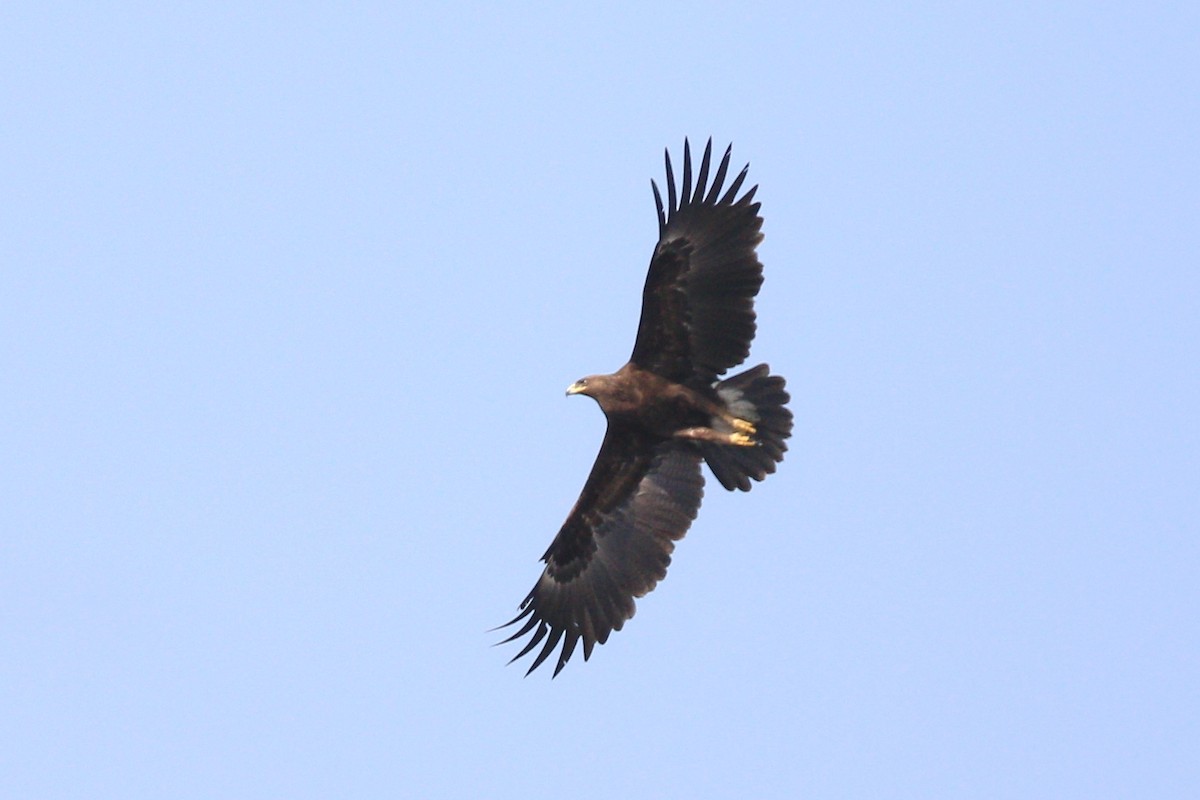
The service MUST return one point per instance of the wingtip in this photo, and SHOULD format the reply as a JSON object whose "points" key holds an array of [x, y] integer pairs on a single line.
{"points": [[685, 192], [670, 184], [658, 205], [730, 196], [702, 178]]}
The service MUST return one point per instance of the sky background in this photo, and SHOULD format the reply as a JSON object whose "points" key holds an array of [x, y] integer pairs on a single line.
{"points": [[289, 297]]}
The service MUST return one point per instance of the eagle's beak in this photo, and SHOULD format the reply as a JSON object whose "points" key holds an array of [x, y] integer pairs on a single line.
{"points": [[575, 388]]}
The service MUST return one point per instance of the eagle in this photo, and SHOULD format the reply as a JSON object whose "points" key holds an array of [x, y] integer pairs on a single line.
{"points": [[668, 409]]}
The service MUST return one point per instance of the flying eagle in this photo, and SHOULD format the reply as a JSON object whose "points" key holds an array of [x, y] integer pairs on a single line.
{"points": [[667, 410]]}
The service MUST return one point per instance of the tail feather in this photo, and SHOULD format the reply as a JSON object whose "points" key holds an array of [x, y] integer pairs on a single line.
{"points": [[759, 397]]}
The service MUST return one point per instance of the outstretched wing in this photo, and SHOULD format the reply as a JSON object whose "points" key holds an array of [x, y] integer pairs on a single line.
{"points": [[698, 303], [616, 544]]}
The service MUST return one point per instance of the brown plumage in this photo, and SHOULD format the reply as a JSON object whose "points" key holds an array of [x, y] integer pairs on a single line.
{"points": [[667, 410]]}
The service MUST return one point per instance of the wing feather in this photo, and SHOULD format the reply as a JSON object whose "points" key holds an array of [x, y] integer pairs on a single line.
{"points": [[686, 191], [703, 177], [698, 302], [615, 545], [670, 181], [720, 177]]}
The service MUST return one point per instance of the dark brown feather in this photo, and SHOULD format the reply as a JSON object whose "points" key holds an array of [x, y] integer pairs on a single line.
{"points": [[615, 545], [698, 301]]}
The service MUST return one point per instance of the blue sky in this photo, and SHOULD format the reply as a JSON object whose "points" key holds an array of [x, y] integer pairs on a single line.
{"points": [[289, 296]]}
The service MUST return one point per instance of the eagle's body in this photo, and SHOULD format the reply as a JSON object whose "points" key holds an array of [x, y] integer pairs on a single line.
{"points": [[640, 397], [667, 411]]}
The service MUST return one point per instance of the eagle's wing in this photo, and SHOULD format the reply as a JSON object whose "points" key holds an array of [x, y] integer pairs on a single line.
{"points": [[698, 303], [640, 498]]}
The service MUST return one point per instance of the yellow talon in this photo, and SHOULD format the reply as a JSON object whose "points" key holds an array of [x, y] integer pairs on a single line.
{"points": [[742, 426], [741, 439]]}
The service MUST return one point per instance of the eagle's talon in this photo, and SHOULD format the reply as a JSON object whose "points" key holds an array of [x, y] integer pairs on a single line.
{"points": [[742, 426]]}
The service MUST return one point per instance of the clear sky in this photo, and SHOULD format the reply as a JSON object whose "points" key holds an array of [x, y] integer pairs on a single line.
{"points": [[289, 297]]}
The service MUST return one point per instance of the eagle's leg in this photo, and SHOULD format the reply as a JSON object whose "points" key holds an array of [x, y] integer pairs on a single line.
{"points": [[719, 410], [726, 415], [736, 438]]}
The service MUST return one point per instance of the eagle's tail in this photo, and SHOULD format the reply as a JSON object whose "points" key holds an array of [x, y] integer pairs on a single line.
{"points": [[759, 398]]}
